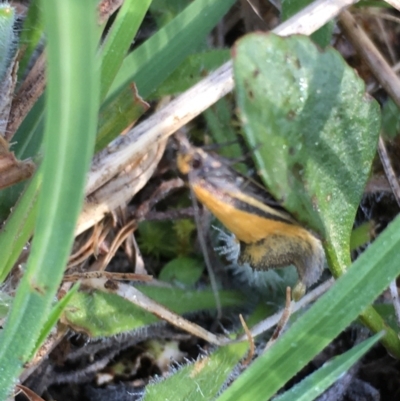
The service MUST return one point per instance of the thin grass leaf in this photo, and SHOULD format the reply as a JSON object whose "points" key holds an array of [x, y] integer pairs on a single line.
{"points": [[19, 227], [316, 383], [68, 142], [54, 316], [119, 39]]}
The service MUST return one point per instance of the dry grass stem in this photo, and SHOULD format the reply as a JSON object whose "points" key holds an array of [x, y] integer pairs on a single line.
{"points": [[368, 51]]}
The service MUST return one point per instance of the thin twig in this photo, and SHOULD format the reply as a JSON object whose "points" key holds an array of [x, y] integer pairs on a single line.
{"points": [[250, 339], [394, 292], [287, 311], [390, 174], [368, 51], [107, 275], [394, 185], [162, 191], [122, 235]]}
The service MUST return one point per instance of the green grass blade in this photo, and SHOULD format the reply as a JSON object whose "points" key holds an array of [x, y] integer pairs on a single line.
{"points": [[151, 63], [118, 40], [19, 227], [55, 314], [72, 106], [315, 384], [350, 295]]}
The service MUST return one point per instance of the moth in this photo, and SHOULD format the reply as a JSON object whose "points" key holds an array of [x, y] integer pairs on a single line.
{"points": [[268, 236]]}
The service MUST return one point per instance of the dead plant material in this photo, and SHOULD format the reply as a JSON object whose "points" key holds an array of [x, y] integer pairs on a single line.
{"points": [[106, 8], [28, 93], [157, 196], [102, 262], [91, 244], [389, 171], [120, 189], [107, 275], [7, 88], [12, 170], [250, 339], [287, 311], [372, 56], [28, 393]]}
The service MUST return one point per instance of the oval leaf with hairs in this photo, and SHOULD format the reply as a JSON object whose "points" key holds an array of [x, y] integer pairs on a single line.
{"points": [[313, 129]]}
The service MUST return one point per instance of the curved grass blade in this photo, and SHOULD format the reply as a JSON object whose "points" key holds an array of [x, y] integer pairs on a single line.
{"points": [[316, 383], [68, 143], [119, 39]]}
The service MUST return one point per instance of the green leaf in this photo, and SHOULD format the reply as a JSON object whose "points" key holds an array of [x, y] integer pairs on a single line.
{"points": [[361, 235], [5, 304], [331, 314], [71, 121], [194, 68], [201, 380], [101, 314], [390, 119], [314, 129], [323, 35], [315, 384], [183, 270], [388, 313], [220, 121]]}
